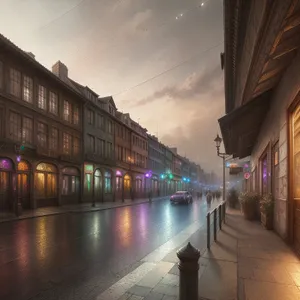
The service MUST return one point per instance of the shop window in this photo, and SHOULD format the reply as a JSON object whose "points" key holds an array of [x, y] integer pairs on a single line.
{"points": [[127, 182], [98, 183], [6, 164], [107, 182], [138, 184], [46, 181], [118, 183], [70, 181], [264, 172], [23, 166], [88, 181]]}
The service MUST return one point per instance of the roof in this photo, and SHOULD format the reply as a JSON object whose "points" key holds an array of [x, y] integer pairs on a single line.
{"points": [[29, 58], [109, 99]]}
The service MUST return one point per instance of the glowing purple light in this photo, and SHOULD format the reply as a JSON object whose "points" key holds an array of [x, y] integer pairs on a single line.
{"points": [[18, 158], [148, 174], [246, 166], [118, 173], [5, 164]]}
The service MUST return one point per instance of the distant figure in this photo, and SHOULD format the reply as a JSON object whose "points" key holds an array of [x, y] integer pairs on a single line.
{"points": [[209, 197]]}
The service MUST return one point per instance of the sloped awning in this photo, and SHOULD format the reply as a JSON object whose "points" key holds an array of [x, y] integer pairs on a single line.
{"points": [[240, 128]]}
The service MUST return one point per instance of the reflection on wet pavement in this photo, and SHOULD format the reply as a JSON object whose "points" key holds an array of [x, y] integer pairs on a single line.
{"points": [[77, 256]]}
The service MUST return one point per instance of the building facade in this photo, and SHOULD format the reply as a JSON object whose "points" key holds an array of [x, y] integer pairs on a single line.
{"points": [[40, 134], [262, 86]]}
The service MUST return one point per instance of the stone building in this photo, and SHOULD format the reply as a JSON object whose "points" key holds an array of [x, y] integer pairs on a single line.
{"points": [[262, 83], [40, 133]]}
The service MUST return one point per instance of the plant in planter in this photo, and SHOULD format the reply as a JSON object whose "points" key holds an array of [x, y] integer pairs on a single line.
{"points": [[232, 198], [266, 211], [249, 201]]}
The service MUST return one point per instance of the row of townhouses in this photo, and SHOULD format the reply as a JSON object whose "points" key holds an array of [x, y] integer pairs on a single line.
{"points": [[60, 143]]}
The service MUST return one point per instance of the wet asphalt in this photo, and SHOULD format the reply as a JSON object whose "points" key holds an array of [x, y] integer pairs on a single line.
{"points": [[77, 256]]}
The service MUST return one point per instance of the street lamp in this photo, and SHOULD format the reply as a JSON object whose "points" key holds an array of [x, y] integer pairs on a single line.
{"points": [[218, 142]]}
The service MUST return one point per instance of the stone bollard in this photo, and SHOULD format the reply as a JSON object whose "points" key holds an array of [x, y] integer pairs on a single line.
{"points": [[188, 267]]}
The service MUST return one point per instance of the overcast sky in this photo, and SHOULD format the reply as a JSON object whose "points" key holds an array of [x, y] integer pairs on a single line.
{"points": [[120, 47]]}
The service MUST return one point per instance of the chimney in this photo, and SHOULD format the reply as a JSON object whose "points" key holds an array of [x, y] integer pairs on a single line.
{"points": [[60, 70], [31, 54]]}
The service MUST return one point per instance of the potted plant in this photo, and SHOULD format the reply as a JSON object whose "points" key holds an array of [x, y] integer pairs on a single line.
{"points": [[232, 198], [249, 201], [266, 211]]}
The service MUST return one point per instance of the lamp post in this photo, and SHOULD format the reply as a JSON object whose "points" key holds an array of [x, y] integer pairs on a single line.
{"points": [[218, 142]]}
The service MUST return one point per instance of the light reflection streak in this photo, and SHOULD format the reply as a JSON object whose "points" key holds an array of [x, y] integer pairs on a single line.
{"points": [[143, 221], [42, 244], [125, 230]]}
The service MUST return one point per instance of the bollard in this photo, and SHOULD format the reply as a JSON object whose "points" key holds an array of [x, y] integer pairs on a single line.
{"points": [[215, 224], [220, 216], [208, 230], [188, 277]]}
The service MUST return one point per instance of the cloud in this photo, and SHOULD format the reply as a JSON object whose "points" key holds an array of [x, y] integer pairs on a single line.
{"points": [[206, 82], [138, 24]]}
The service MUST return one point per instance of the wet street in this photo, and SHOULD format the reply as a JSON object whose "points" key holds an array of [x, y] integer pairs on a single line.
{"points": [[77, 256]]}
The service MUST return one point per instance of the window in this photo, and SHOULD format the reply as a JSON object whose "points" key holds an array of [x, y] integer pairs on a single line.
{"points": [[70, 184], [66, 143], [15, 83], [91, 143], [53, 103], [27, 130], [53, 141], [100, 122], [76, 115], [109, 153], [1, 74], [27, 89], [101, 147], [76, 146], [107, 182], [42, 98], [109, 126], [90, 117], [15, 126], [42, 135], [67, 111], [264, 172]]}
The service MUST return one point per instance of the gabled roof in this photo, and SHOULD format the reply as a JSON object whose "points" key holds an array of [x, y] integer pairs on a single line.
{"points": [[109, 99]]}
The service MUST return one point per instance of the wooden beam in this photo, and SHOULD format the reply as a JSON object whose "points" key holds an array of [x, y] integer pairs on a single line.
{"points": [[292, 22], [287, 46]]}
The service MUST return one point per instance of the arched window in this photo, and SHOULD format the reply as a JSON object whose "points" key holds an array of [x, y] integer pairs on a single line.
{"points": [[127, 182], [23, 166], [46, 181], [6, 164], [107, 182]]}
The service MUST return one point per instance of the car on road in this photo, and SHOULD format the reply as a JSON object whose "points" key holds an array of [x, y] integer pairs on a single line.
{"points": [[181, 197]]}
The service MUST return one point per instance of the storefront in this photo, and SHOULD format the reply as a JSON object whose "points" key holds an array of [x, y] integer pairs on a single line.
{"points": [[119, 187], [6, 191], [88, 182], [23, 188], [108, 182], [155, 186], [98, 186], [138, 187], [70, 185], [45, 183], [127, 186]]}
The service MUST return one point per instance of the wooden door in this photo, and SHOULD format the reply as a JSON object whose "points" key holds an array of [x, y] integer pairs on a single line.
{"points": [[4, 190], [23, 189]]}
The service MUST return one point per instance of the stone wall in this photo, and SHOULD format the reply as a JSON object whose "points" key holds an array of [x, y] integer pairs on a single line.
{"points": [[275, 128]]}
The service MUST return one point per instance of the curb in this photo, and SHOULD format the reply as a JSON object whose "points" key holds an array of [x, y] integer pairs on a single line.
{"points": [[79, 211]]}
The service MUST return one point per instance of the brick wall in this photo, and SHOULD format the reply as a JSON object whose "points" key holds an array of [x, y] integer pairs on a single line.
{"points": [[275, 129]]}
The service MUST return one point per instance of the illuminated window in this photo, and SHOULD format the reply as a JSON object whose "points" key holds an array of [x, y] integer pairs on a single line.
{"points": [[118, 183], [53, 103], [23, 166], [264, 170], [98, 183], [45, 181], [70, 182], [42, 97], [27, 89], [5, 164], [127, 182], [88, 182], [107, 182], [66, 143], [15, 82]]}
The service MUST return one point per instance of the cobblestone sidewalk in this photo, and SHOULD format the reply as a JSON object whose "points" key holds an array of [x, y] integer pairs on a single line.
{"points": [[246, 262]]}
